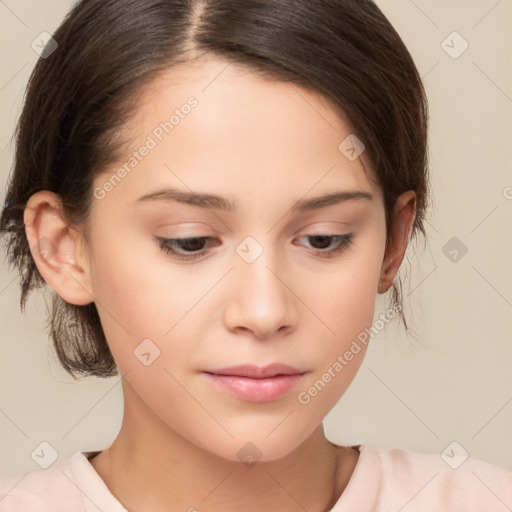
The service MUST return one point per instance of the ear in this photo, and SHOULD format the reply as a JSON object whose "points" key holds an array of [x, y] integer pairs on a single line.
{"points": [[404, 213], [56, 248]]}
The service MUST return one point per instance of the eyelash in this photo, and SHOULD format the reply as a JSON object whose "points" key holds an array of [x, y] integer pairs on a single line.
{"points": [[168, 244]]}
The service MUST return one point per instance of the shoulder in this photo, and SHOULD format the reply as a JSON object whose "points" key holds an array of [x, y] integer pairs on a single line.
{"points": [[52, 489], [443, 482]]}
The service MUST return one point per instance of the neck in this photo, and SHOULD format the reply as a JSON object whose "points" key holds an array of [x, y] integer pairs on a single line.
{"points": [[151, 467]]}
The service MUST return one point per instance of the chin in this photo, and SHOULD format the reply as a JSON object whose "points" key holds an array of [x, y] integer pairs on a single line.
{"points": [[252, 449]]}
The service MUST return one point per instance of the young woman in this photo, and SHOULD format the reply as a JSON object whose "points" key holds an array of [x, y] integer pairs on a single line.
{"points": [[216, 192]]}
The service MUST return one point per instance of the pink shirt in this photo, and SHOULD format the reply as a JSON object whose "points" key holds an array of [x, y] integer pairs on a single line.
{"points": [[383, 481]]}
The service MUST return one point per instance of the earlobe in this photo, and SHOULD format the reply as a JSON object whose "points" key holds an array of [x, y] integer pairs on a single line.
{"points": [[404, 214], [55, 248]]}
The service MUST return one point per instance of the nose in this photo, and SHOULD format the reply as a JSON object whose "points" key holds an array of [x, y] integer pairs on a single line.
{"points": [[261, 299]]}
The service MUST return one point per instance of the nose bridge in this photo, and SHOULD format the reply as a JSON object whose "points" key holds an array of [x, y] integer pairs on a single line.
{"points": [[260, 300], [258, 263]]}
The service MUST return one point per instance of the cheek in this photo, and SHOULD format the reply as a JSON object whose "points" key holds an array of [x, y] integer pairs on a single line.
{"points": [[137, 295], [343, 298], [337, 353], [155, 318], [130, 275]]}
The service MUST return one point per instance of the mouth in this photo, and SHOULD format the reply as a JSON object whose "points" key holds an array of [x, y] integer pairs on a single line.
{"points": [[256, 383]]}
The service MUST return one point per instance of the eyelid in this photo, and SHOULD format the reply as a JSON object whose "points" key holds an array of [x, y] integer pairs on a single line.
{"points": [[344, 242]]}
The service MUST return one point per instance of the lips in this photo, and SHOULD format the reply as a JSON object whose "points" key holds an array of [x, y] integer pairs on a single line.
{"points": [[257, 372], [256, 383]]}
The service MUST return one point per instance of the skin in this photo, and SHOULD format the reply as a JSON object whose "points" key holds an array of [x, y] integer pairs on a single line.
{"points": [[265, 145]]}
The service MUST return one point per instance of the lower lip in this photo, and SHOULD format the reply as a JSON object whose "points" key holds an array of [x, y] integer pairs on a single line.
{"points": [[256, 390]]}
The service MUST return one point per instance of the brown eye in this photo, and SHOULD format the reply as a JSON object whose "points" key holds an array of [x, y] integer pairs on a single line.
{"points": [[184, 248], [321, 242]]}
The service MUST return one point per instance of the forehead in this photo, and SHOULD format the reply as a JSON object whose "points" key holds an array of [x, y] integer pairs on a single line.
{"points": [[244, 133], [225, 89]]}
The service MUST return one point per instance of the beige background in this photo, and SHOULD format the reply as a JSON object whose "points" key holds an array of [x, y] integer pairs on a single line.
{"points": [[456, 383]]}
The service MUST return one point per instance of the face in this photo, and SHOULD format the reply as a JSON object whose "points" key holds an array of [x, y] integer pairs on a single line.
{"points": [[273, 279]]}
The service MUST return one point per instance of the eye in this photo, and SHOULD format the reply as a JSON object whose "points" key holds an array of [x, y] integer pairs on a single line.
{"points": [[341, 243], [188, 245], [194, 247]]}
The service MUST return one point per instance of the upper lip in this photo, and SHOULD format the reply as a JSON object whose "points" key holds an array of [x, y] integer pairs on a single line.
{"points": [[257, 372]]}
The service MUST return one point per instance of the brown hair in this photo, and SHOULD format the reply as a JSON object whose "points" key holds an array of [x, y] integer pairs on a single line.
{"points": [[79, 97]]}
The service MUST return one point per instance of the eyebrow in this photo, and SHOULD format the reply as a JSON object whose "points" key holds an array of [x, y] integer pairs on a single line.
{"points": [[210, 201]]}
